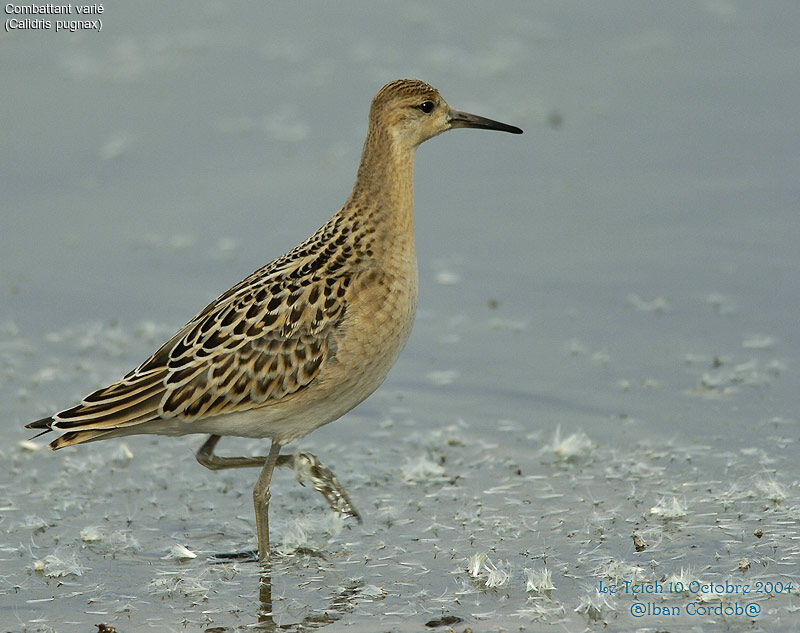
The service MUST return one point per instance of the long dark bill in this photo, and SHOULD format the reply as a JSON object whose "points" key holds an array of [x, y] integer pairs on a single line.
{"points": [[465, 119]]}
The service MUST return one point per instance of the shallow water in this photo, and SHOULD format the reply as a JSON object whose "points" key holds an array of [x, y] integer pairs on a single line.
{"points": [[601, 383]]}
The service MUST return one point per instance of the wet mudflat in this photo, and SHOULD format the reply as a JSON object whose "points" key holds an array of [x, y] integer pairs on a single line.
{"points": [[594, 423]]}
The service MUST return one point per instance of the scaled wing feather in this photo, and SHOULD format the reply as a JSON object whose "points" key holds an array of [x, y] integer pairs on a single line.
{"points": [[267, 337]]}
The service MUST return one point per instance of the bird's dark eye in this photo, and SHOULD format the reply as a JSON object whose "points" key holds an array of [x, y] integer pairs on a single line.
{"points": [[427, 106]]}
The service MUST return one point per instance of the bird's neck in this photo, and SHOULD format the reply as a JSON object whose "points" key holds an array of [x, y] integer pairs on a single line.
{"points": [[383, 193]]}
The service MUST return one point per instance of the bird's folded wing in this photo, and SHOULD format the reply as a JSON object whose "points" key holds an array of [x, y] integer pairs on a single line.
{"points": [[258, 342]]}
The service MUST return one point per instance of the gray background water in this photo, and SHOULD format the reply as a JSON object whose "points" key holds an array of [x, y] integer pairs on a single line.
{"points": [[606, 347]]}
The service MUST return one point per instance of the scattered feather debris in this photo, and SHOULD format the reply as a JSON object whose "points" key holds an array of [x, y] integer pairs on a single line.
{"points": [[121, 455], [596, 606], [58, 566], [447, 278], [759, 341], [771, 490], [91, 534], [422, 470], [172, 586], [724, 380], [721, 304], [570, 448], [669, 509], [538, 580], [443, 377], [475, 563], [479, 565], [658, 304], [179, 552], [115, 147], [510, 325], [621, 505]]}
